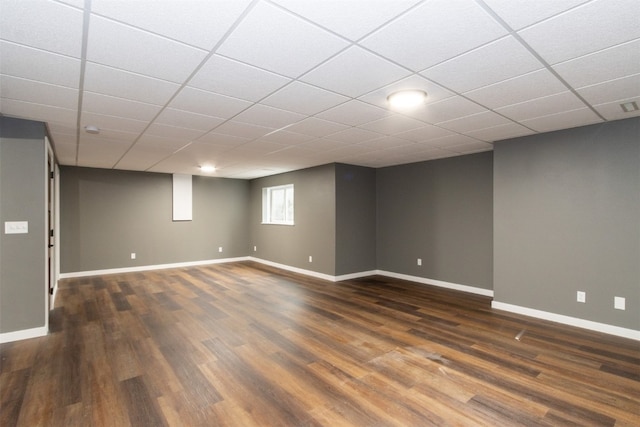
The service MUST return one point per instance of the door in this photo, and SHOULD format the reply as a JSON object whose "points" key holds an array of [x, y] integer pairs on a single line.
{"points": [[51, 224]]}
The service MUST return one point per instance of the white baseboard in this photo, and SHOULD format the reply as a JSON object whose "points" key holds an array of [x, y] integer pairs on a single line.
{"points": [[295, 269], [23, 334], [568, 320], [150, 267], [315, 274], [439, 283]]}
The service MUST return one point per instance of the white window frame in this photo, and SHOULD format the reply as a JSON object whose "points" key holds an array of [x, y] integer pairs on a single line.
{"points": [[267, 205]]}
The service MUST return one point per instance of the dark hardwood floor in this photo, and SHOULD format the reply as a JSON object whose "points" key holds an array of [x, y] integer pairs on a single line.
{"points": [[242, 345]]}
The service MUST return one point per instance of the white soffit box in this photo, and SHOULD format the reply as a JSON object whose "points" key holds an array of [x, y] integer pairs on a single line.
{"points": [[182, 197]]}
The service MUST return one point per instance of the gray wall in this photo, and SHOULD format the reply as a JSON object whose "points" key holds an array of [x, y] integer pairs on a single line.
{"points": [[108, 214], [442, 212], [314, 216], [567, 218], [355, 219], [22, 198]]}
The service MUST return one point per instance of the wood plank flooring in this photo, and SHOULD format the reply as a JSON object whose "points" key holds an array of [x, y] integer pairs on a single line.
{"points": [[242, 344]]}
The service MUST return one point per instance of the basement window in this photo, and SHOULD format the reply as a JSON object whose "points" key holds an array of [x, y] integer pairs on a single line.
{"points": [[277, 205]]}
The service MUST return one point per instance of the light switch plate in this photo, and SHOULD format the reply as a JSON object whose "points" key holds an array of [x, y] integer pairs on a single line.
{"points": [[16, 227], [619, 303]]}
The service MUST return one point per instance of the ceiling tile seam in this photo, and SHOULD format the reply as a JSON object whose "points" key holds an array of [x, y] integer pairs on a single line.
{"points": [[329, 30], [39, 82], [571, 9], [86, 19], [531, 50], [149, 32], [39, 49], [135, 73], [597, 52], [184, 84]]}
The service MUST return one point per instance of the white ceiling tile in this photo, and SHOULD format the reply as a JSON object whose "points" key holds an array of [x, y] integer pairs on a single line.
{"points": [[288, 138], [223, 140], [38, 112], [188, 159], [355, 72], [354, 135], [424, 133], [613, 90], [434, 32], [120, 46], [316, 127], [44, 24], [165, 143], [613, 110], [303, 98], [65, 153], [186, 119], [38, 93], [200, 23], [543, 106], [243, 130], [103, 121], [232, 78], [323, 144], [109, 135], [118, 107], [496, 133], [608, 64], [519, 14], [262, 115], [259, 147], [449, 141], [434, 92], [276, 40], [475, 122], [494, 62], [564, 120], [99, 152], [447, 109], [393, 124], [208, 103], [34, 64], [144, 154], [354, 113], [518, 89], [588, 28], [124, 84], [385, 142], [471, 147], [341, 18], [174, 132], [62, 129]]}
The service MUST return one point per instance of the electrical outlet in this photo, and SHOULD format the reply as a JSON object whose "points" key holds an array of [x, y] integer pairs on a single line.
{"points": [[419, 261], [220, 249], [581, 296], [619, 303], [133, 255], [255, 248], [310, 258]]}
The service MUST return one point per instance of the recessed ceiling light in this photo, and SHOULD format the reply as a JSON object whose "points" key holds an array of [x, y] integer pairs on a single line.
{"points": [[92, 129], [629, 107], [405, 99], [207, 168]]}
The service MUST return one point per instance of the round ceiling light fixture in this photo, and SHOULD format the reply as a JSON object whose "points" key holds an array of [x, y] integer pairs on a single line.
{"points": [[406, 99], [207, 168], [92, 129]]}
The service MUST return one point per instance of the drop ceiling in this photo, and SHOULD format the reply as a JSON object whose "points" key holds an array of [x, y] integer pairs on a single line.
{"points": [[267, 86]]}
